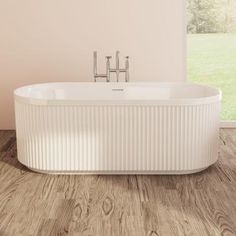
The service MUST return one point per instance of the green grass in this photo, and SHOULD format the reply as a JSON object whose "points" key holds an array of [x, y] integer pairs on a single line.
{"points": [[212, 61]]}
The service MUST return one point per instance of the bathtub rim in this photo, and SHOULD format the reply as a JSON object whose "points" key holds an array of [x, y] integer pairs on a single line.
{"points": [[173, 101]]}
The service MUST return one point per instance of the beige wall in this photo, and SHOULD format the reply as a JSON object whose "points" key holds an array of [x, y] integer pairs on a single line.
{"points": [[53, 40]]}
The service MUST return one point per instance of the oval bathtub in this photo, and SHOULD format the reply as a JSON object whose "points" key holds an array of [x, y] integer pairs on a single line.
{"points": [[117, 128]]}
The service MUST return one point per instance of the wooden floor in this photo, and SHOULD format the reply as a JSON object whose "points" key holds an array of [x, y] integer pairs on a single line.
{"points": [[198, 204]]}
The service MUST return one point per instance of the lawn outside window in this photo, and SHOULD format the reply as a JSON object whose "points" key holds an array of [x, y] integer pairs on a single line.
{"points": [[211, 50]]}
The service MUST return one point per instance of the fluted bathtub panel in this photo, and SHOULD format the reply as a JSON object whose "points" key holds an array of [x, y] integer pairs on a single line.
{"points": [[122, 138]]}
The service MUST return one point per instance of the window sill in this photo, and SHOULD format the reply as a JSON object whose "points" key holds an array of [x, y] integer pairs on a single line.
{"points": [[228, 124]]}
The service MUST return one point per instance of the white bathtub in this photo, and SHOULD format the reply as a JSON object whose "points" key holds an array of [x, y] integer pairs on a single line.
{"points": [[117, 128]]}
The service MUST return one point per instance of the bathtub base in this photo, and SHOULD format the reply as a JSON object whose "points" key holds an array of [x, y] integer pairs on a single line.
{"points": [[184, 172]]}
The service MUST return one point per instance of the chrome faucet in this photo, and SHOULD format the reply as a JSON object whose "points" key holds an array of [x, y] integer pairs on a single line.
{"points": [[109, 70]]}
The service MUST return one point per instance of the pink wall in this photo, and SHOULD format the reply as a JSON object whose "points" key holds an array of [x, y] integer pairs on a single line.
{"points": [[53, 40]]}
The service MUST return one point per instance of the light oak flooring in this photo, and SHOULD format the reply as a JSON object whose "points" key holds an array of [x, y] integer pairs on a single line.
{"points": [[198, 204]]}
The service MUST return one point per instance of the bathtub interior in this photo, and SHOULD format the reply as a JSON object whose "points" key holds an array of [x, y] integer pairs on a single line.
{"points": [[115, 91]]}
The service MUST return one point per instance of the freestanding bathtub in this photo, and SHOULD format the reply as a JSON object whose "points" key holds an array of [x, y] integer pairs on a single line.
{"points": [[117, 128]]}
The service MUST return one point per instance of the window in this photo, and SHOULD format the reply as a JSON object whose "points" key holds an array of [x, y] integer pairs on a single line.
{"points": [[211, 58]]}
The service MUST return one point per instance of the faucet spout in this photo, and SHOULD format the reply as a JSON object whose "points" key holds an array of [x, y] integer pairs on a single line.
{"points": [[95, 64]]}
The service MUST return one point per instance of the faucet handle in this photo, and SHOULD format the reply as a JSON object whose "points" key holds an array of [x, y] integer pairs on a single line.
{"points": [[108, 68], [127, 62], [127, 69]]}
